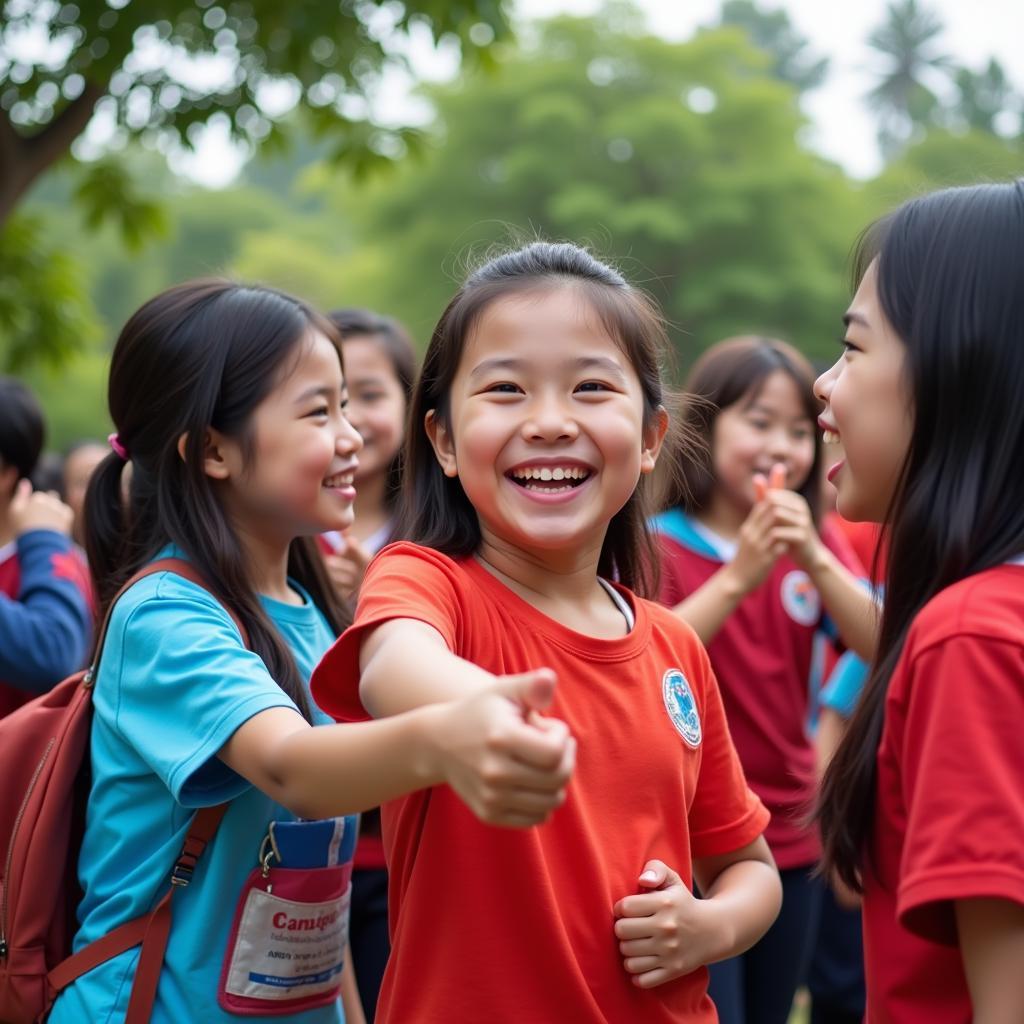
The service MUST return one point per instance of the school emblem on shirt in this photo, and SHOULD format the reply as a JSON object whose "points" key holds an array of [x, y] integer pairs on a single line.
{"points": [[800, 598], [681, 706]]}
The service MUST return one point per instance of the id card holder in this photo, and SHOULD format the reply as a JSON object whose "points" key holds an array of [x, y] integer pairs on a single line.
{"points": [[286, 948]]}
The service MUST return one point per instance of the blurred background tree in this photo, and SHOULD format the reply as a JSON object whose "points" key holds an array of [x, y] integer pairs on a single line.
{"points": [[686, 163], [157, 73]]}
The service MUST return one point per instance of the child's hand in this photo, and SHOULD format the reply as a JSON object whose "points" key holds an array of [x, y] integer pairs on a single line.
{"points": [[347, 567], [791, 526], [667, 932], [507, 762], [758, 550], [38, 510]]}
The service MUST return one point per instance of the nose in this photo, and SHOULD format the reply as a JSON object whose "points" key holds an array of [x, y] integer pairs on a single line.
{"points": [[549, 419], [823, 385], [781, 444], [348, 440]]}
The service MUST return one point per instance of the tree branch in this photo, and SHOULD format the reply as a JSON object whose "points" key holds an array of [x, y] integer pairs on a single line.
{"points": [[23, 160]]}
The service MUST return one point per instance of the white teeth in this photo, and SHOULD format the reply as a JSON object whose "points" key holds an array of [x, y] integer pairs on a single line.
{"points": [[547, 473], [829, 437], [341, 480], [548, 490]]}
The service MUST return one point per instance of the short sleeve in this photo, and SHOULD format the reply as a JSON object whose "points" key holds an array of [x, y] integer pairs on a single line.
{"points": [[176, 681], [963, 781], [725, 815], [403, 582], [843, 688]]}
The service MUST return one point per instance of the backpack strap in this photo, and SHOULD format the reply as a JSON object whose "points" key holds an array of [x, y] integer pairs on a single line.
{"points": [[151, 930]]}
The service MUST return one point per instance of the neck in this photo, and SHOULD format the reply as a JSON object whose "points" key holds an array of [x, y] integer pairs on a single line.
{"points": [[723, 516], [267, 559], [370, 509], [545, 576]]}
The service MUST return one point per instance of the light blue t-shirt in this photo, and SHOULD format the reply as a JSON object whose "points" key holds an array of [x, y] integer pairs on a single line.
{"points": [[175, 682]]}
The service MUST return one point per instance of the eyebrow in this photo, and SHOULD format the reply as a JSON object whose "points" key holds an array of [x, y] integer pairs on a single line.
{"points": [[855, 318], [317, 391], [582, 363]]}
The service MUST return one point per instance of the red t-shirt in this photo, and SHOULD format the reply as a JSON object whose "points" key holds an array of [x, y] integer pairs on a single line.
{"points": [[762, 658], [866, 539], [949, 815], [516, 925]]}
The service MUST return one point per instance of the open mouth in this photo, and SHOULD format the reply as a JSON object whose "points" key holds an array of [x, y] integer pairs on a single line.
{"points": [[339, 481], [830, 437], [549, 479]]}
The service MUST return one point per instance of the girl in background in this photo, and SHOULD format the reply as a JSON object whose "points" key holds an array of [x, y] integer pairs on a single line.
{"points": [[380, 367], [922, 806], [744, 565], [536, 423]]}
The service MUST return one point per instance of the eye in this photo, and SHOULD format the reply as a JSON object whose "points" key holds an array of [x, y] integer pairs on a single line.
{"points": [[504, 388], [848, 345], [593, 386], [320, 410], [758, 424]]}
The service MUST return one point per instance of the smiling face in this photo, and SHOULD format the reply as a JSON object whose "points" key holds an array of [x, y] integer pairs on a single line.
{"points": [[868, 417], [546, 428], [296, 477], [766, 427], [376, 404]]}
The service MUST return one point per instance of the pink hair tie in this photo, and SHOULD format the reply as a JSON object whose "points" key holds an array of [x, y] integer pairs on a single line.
{"points": [[119, 449]]}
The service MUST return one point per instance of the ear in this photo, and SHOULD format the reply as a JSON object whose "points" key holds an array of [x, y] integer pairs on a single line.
{"points": [[215, 455], [443, 443], [8, 479], [654, 436]]}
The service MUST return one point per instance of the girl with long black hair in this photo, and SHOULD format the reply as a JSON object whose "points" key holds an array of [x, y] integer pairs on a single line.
{"points": [[923, 805]]}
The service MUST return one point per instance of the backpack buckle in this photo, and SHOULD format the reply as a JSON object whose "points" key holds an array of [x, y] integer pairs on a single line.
{"points": [[181, 874]]}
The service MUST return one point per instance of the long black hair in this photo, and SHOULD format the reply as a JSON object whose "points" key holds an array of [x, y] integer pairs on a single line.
{"points": [[198, 356], [950, 272], [434, 510]]}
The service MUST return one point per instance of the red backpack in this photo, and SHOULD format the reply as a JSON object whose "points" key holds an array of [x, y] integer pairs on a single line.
{"points": [[44, 764]]}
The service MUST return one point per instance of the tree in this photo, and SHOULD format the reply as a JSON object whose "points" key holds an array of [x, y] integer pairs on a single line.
{"points": [[773, 32], [984, 96], [902, 97], [159, 70], [680, 162]]}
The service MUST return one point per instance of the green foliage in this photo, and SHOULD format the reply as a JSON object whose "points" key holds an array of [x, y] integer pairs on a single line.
{"points": [[680, 162], [904, 101], [107, 191], [944, 159], [43, 304], [773, 32], [156, 72]]}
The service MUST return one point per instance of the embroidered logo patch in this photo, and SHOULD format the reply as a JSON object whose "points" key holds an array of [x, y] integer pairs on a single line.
{"points": [[800, 599], [681, 706]]}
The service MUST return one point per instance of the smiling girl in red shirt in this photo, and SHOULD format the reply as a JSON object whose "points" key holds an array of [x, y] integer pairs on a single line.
{"points": [[537, 419], [923, 804]]}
